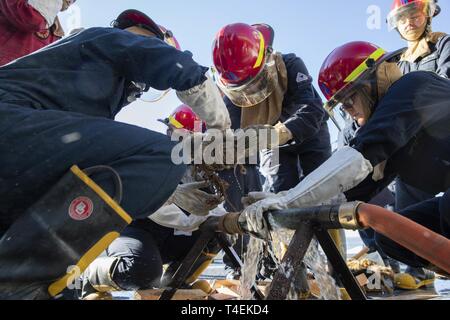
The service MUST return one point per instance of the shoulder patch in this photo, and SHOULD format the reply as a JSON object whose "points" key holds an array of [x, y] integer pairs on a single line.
{"points": [[301, 77]]}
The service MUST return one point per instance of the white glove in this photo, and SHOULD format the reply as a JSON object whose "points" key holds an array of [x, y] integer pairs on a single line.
{"points": [[170, 216], [49, 9], [256, 196], [253, 215], [190, 198], [207, 102], [344, 170]]}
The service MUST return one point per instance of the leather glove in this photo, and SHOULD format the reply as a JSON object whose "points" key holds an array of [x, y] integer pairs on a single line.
{"points": [[207, 102], [253, 216], [283, 133], [253, 197], [190, 198]]}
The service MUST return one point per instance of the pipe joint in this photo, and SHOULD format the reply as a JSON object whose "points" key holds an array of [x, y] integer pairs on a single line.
{"points": [[348, 216]]}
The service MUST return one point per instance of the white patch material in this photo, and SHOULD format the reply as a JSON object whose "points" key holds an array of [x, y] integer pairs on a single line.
{"points": [[301, 77], [71, 137], [48, 9]]}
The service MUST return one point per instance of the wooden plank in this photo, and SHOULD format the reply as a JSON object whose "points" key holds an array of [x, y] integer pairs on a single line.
{"points": [[411, 295], [179, 295], [221, 297]]}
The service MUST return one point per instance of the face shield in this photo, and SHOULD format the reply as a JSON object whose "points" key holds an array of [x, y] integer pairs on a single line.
{"points": [[254, 91], [411, 11], [345, 99]]}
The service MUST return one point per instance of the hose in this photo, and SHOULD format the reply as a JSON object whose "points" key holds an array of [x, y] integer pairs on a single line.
{"points": [[425, 243]]}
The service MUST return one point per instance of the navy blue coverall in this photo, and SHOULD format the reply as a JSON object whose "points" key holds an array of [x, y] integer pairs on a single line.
{"points": [[57, 109], [410, 130], [304, 116], [437, 61]]}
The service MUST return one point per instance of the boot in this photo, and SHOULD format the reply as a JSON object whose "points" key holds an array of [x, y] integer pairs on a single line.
{"points": [[97, 279], [414, 278]]}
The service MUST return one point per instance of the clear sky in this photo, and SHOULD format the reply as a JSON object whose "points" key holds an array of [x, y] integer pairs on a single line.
{"points": [[310, 29]]}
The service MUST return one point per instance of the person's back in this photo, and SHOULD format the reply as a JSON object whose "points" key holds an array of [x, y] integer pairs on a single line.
{"points": [[90, 72]]}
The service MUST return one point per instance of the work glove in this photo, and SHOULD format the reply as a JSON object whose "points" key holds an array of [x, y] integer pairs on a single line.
{"points": [[283, 133], [253, 220], [274, 136], [207, 102], [49, 9], [191, 198], [344, 170], [253, 197]]}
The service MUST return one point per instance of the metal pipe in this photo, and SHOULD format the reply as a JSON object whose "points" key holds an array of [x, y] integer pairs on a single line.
{"points": [[422, 241], [425, 243]]}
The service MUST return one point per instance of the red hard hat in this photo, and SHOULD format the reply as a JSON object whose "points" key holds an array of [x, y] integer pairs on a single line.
{"points": [[184, 118], [131, 17], [345, 65], [401, 7], [239, 51], [170, 38]]}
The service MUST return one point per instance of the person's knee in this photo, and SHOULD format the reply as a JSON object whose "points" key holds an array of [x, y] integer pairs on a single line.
{"points": [[138, 273]]}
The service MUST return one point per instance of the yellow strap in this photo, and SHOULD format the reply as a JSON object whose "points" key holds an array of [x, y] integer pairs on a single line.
{"points": [[72, 274], [175, 123], [363, 66], [262, 49]]}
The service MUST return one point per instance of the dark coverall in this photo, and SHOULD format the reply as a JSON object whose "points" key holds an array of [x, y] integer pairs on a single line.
{"points": [[143, 248], [57, 108], [437, 61], [304, 116], [410, 130]]}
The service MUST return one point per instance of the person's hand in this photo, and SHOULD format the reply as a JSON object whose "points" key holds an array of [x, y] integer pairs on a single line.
{"points": [[283, 133], [192, 199], [253, 216]]}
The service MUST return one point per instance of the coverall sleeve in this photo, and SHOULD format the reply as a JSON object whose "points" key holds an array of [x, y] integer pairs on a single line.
{"points": [[308, 118], [23, 16], [413, 104], [145, 59], [443, 63]]}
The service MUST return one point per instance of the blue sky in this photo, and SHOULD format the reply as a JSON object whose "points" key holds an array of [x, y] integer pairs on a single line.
{"points": [[310, 29]]}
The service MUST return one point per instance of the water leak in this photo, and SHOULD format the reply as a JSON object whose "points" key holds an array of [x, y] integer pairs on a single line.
{"points": [[314, 259], [317, 263], [252, 257]]}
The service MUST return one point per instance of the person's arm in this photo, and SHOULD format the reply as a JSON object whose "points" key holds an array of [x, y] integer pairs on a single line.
{"points": [[443, 47], [310, 114], [400, 116], [153, 62], [413, 104], [30, 15]]}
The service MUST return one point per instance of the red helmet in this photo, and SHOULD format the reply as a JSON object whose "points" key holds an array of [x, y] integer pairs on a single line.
{"points": [[243, 62], [239, 51], [345, 66], [184, 118], [130, 18], [401, 8]]}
